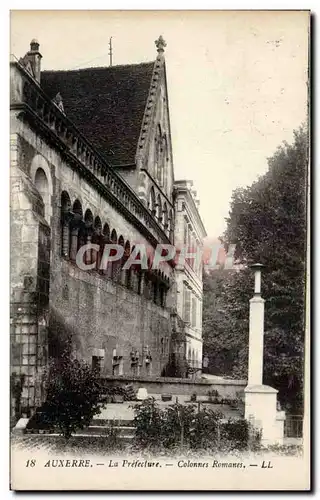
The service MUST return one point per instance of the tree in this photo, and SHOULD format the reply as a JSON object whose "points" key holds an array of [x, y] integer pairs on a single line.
{"points": [[268, 222], [73, 394], [218, 345]]}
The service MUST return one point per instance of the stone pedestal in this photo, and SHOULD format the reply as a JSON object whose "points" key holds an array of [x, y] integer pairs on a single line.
{"points": [[261, 411], [142, 394]]}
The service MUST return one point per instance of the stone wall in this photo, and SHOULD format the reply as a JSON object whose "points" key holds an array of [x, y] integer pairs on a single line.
{"points": [[100, 314], [182, 387], [29, 276], [103, 318]]}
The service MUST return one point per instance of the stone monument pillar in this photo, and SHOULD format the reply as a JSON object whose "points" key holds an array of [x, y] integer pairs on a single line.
{"points": [[256, 331], [260, 399]]}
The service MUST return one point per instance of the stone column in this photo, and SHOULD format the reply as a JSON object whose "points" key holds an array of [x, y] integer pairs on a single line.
{"points": [[74, 243], [65, 239], [260, 400], [256, 331], [88, 254]]}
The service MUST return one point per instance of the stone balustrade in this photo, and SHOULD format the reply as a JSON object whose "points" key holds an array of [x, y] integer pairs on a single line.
{"points": [[70, 141]]}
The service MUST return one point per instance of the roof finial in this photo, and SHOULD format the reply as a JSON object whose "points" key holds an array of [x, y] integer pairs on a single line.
{"points": [[160, 44], [34, 45], [110, 50]]}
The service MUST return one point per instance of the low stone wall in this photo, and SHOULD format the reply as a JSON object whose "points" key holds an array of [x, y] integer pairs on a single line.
{"points": [[179, 386]]}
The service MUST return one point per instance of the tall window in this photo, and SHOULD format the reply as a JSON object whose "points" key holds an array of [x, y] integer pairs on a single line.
{"points": [[194, 312], [185, 233], [186, 304]]}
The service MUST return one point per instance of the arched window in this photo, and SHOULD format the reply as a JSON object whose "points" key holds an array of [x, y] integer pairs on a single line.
{"points": [[170, 224], [162, 346], [87, 236], [41, 183], [159, 209], [65, 219], [135, 274], [127, 272], [97, 240], [105, 240], [41, 175], [160, 157], [111, 265], [119, 263], [113, 237], [97, 227], [165, 216], [189, 356], [76, 235], [106, 232], [152, 201]]}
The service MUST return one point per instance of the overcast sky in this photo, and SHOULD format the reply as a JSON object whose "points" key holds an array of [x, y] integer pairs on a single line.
{"points": [[237, 82]]}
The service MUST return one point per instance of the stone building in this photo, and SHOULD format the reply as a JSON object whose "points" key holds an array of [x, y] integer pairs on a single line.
{"points": [[91, 162], [189, 233]]}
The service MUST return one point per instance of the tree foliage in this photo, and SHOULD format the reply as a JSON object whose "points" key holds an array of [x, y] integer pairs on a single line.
{"points": [[73, 394], [268, 223]]}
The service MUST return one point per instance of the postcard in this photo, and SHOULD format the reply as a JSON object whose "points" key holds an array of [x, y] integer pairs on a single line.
{"points": [[159, 250]]}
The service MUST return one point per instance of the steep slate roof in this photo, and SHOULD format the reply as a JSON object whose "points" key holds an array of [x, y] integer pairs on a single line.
{"points": [[106, 104]]}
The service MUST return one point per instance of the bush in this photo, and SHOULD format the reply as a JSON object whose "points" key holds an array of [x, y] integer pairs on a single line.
{"points": [[180, 425], [240, 434], [176, 425], [205, 429], [73, 395], [148, 423], [16, 385], [112, 438]]}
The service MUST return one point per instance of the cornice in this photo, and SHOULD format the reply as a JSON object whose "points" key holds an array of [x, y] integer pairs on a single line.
{"points": [[193, 208]]}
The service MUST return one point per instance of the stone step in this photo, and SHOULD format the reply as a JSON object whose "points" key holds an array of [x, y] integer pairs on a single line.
{"points": [[101, 422], [125, 439], [121, 431]]}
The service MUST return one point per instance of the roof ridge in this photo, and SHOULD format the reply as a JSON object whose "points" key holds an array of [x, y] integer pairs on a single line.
{"points": [[97, 67]]}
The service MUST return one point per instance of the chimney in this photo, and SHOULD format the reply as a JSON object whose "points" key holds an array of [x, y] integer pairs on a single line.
{"points": [[34, 57]]}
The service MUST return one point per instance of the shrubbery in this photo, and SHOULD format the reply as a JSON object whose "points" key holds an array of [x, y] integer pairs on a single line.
{"points": [[180, 425], [73, 393]]}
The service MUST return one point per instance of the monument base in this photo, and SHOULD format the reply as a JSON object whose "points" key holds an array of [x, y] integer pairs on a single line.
{"points": [[261, 411]]}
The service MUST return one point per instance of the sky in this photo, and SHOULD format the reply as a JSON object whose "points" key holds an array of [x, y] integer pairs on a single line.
{"points": [[237, 82]]}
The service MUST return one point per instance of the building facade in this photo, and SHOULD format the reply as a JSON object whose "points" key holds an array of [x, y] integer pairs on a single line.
{"points": [[91, 163], [189, 235]]}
